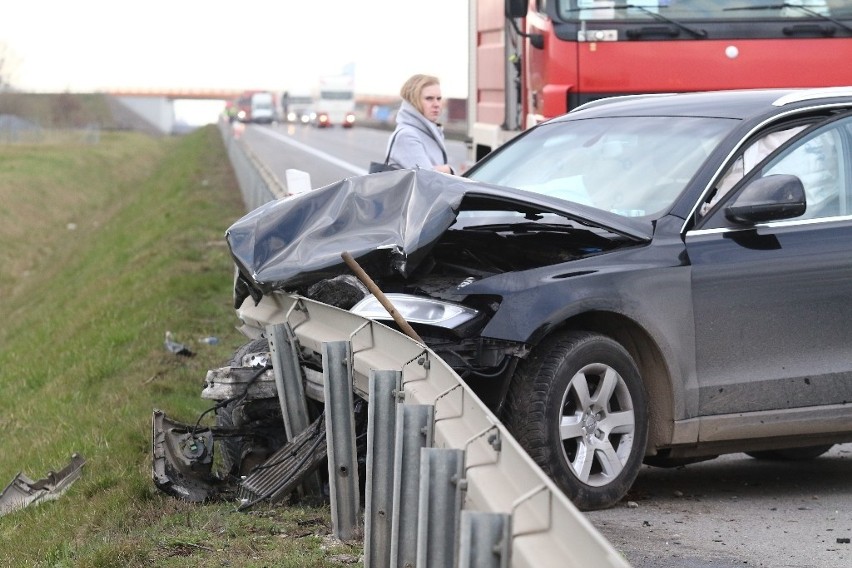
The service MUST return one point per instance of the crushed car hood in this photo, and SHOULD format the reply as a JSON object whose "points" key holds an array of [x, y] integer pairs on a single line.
{"points": [[387, 221]]}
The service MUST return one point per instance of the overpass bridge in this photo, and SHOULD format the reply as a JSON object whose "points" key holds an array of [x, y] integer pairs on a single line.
{"points": [[178, 94], [164, 108], [229, 94]]}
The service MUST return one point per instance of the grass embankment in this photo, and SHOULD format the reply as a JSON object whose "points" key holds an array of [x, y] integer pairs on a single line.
{"points": [[104, 248], [60, 110]]}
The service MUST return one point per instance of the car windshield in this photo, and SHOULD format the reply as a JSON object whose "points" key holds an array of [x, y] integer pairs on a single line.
{"points": [[632, 166]]}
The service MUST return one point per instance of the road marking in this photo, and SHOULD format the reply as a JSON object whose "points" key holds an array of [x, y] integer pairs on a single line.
{"points": [[310, 150]]}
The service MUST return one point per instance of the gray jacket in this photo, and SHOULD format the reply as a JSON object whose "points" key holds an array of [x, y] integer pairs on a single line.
{"points": [[417, 141]]}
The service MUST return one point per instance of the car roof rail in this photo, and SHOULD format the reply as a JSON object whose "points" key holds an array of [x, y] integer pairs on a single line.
{"points": [[809, 94], [617, 98]]}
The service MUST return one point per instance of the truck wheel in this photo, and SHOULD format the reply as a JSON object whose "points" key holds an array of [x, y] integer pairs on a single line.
{"points": [[259, 420], [578, 407]]}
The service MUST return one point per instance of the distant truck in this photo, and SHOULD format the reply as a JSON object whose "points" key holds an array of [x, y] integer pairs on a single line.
{"points": [[256, 106], [297, 106], [336, 102]]}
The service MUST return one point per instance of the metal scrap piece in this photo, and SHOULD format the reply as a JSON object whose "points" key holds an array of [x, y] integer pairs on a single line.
{"points": [[285, 469], [183, 460], [23, 491]]}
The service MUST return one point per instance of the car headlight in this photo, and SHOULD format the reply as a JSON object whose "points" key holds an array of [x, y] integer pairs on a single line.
{"points": [[416, 309]]}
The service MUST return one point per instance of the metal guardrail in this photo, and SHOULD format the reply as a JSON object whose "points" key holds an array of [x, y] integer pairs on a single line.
{"points": [[257, 182], [447, 483], [489, 472]]}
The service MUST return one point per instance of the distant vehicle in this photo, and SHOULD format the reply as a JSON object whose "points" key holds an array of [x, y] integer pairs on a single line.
{"points": [[256, 106], [298, 106], [262, 107], [336, 103]]}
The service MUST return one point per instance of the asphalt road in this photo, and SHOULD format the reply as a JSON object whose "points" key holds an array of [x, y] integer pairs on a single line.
{"points": [[327, 154], [731, 511], [737, 511]]}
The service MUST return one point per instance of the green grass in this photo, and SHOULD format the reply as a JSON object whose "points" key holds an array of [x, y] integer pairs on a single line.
{"points": [[104, 247]]}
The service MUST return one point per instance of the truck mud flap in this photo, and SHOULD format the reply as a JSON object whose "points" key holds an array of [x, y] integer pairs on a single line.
{"points": [[183, 460], [286, 468]]}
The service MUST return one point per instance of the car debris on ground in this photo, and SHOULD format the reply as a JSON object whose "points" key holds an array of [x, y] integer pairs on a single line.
{"points": [[23, 491]]}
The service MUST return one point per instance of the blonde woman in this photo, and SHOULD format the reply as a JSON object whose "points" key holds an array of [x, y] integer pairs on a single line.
{"points": [[418, 141]]}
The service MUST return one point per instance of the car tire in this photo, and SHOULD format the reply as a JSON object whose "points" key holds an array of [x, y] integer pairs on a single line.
{"points": [[261, 419], [559, 387], [791, 454]]}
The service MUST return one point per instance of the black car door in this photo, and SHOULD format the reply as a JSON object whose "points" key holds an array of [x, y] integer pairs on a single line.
{"points": [[773, 301]]}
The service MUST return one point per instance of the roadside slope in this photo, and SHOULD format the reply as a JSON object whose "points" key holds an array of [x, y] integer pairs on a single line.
{"points": [[113, 244]]}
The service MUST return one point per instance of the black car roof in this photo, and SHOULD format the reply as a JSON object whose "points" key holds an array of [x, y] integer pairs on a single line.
{"points": [[742, 104]]}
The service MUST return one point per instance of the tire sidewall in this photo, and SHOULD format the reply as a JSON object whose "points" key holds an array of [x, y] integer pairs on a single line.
{"points": [[576, 350]]}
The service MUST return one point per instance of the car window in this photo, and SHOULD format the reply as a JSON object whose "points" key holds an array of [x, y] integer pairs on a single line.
{"points": [[822, 166], [820, 159], [753, 154]]}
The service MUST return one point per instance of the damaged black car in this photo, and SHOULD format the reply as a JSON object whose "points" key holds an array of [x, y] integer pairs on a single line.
{"points": [[657, 279]]}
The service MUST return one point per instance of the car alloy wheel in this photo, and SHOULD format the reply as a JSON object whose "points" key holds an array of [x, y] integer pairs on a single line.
{"points": [[578, 406]]}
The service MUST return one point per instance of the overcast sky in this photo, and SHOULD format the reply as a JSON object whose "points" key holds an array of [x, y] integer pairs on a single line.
{"points": [[97, 45]]}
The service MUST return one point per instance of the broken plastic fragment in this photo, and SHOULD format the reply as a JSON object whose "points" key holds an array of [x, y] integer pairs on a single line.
{"points": [[23, 491]]}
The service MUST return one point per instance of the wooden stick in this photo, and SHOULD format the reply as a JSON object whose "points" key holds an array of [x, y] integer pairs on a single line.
{"points": [[377, 292]]}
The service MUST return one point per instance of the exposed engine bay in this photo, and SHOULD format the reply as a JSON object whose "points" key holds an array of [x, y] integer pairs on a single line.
{"points": [[427, 240]]}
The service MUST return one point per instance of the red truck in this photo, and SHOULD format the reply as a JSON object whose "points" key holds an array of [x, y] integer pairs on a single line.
{"points": [[535, 59]]}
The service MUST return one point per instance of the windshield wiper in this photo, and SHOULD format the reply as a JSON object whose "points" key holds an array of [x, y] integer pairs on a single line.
{"points": [[804, 9], [696, 33]]}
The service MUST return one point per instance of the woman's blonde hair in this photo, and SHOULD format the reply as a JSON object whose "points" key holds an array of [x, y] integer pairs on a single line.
{"points": [[413, 88]]}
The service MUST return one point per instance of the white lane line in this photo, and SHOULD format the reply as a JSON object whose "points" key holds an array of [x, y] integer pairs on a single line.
{"points": [[319, 154]]}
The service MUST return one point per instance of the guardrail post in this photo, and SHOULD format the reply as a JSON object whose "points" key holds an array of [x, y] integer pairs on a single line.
{"points": [[340, 436], [288, 378], [381, 428], [484, 540], [413, 432], [441, 470], [284, 350]]}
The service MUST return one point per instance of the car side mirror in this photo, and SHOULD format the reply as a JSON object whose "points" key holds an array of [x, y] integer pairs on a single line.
{"points": [[770, 198]]}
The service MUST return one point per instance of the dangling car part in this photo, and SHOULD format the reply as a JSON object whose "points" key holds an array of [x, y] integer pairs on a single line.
{"points": [[183, 460], [247, 454]]}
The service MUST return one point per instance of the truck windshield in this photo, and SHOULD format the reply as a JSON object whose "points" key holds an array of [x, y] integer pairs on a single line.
{"points": [[680, 10], [632, 166]]}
